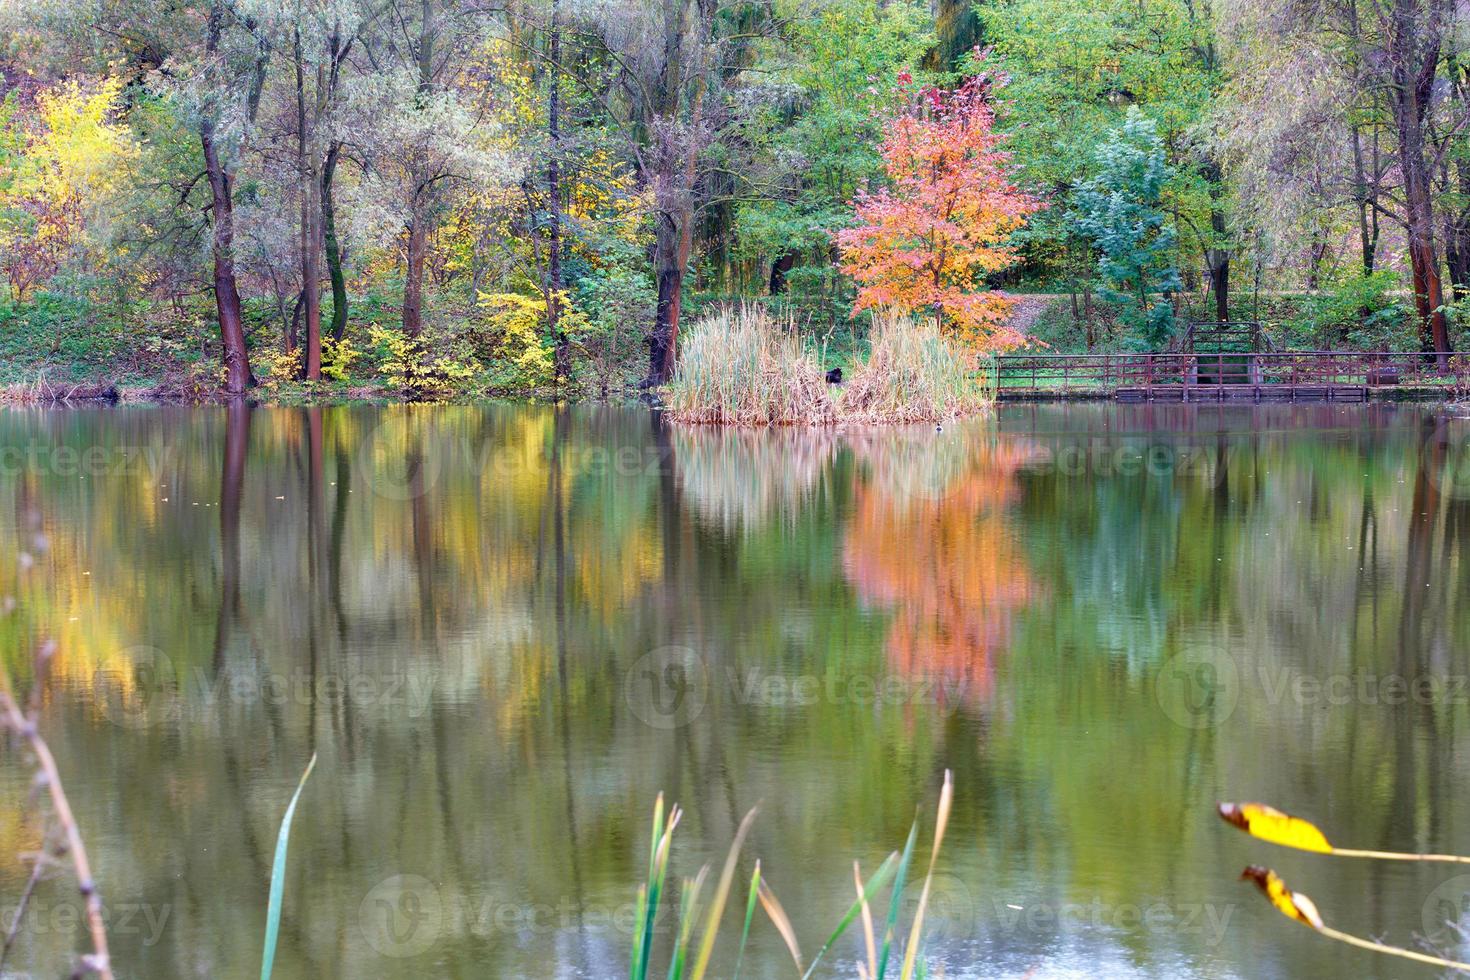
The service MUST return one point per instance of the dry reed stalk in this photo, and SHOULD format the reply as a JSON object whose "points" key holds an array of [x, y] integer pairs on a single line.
{"points": [[24, 727]]}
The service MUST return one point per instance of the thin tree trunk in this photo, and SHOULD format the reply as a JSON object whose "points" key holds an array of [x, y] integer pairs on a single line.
{"points": [[553, 193], [238, 376], [670, 273], [333, 247], [236, 356], [418, 227], [413, 282], [310, 262]]}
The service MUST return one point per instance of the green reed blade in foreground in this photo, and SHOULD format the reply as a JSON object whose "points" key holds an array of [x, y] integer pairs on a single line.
{"points": [[875, 884], [278, 878], [894, 904], [755, 884]]}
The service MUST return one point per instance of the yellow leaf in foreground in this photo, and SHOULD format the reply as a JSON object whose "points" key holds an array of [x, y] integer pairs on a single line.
{"points": [[1271, 825], [1293, 905]]}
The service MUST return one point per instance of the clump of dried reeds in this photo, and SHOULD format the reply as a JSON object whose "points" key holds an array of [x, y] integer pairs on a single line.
{"points": [[742, 367]]}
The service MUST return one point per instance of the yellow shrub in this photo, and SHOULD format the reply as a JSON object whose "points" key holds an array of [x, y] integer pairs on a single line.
{"points": [[409, 367]]}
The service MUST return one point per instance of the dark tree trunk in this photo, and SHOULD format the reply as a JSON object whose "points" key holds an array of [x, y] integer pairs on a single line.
{"points": [[333, 247], [238, 376], [563, 358], [236, 357], [1218, 256], [310, 260], [1414, 45], [418, 227], [669, 269], [413, 282], [779, 268]]}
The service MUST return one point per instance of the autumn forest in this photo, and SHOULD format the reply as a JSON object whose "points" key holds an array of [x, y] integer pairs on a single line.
{"points": [[452, 197]]}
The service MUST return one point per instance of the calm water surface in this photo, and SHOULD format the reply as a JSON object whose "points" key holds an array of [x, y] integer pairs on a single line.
{"points": [[505, 629]]}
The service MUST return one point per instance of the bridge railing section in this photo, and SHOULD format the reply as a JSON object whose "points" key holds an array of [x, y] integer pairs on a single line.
{"points": [[1107, 373]]}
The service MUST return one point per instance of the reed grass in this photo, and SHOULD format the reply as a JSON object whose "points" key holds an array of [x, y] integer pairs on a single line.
{"points": [[916, 374], [278, 879], [742, 367], [871, 965], [745, 367]]}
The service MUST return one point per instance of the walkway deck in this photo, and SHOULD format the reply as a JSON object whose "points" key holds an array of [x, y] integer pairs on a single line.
{"points": [[1232, 376]]}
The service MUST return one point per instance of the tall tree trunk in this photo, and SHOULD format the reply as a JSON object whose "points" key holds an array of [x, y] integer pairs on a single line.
{"points": [[418, 222], [1218, 255], [670, 259], [310, 261], [784, 264], [238, 376], [236, 357], [413, 282], [563, 359], [332, 246], [1414, 46]]}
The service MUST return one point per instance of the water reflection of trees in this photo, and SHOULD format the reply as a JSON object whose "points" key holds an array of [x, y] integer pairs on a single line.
{"points": [[513, 560], [929, 540]]}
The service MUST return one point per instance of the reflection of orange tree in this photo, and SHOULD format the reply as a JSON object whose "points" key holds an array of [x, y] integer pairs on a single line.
{"points": [[941, 555]]}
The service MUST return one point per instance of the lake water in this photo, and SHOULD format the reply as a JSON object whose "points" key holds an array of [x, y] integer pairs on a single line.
{"points": [[505, 629]]}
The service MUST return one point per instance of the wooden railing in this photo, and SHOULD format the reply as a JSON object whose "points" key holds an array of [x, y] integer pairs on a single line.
{"points": [[1104, 374]]}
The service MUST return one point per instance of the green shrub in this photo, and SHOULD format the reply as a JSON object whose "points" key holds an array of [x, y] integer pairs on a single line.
{"points": [[1361, 313]]}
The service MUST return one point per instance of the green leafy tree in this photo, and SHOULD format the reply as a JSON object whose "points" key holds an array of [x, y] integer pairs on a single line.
{"points": [[1121, 211]]}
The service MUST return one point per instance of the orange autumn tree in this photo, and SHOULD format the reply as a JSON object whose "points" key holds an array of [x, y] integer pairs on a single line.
{"points": [[926, 243]]}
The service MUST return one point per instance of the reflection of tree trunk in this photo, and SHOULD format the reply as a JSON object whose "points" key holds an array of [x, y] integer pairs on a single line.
{"points": [[313, 424], [423, 530], [668, 496], [559, 546], [1411, 719], [232, 479]]}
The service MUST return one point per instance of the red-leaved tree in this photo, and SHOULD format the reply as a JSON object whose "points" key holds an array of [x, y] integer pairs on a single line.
{"points": [[926, 243]]}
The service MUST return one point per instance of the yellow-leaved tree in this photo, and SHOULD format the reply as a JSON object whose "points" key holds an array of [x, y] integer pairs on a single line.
{"points": [[73, 156]]}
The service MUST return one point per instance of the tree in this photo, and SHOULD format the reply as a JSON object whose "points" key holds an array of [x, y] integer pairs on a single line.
{"points": [[55, 176], [926, 242], [1078, 66], [814, 156], [679, 63], [1121, 211]]}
